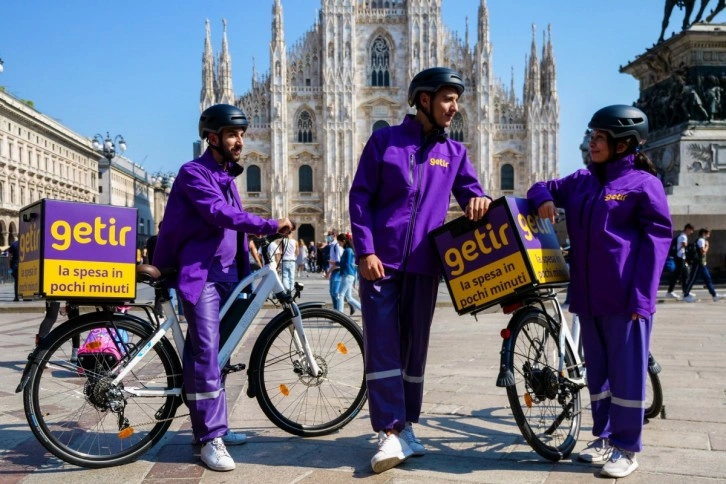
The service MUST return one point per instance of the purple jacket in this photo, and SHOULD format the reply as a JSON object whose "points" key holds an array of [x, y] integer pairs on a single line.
{"points": [[620, 232], [195, 220], [401, 192]]}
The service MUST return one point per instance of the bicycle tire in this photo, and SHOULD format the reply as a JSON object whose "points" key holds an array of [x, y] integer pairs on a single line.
{"points": [[68, 405], [296, 401], [546, 408], [653, 395]]}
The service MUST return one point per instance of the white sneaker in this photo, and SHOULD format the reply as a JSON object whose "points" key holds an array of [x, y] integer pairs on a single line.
{"points": [[620, 464], [230, 438], [596, 452], [717, 297], [392, 450], [416, 446], [216, 457], [690, 298], [673, 295]]}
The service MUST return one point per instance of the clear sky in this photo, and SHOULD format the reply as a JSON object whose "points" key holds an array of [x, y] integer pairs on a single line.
{"points": [[134, 67]]}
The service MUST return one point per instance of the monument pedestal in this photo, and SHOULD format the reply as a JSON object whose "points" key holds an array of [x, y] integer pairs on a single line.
{"points": [[683, 92]]}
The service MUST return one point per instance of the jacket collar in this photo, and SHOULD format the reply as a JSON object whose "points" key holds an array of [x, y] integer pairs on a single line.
{"points": [[415, 129], [614, 169], [208, 161]]}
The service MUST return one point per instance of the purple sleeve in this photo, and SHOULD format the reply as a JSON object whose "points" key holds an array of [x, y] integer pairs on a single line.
{"points": [[552, 190], [211, 205], [466, 184], [655, 239], [362, 191]]}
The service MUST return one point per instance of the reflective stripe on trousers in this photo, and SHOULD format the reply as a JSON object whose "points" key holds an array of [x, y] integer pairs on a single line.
{"points": [[396, 337]]}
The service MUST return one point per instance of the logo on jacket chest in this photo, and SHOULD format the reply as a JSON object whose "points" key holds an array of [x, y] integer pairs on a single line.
{"points": [[439, 162], [616, 196]]}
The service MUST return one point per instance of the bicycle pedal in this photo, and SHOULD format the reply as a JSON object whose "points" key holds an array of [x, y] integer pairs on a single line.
{"points": [[233, 368]]}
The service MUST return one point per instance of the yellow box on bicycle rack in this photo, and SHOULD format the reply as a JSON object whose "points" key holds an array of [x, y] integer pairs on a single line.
{"points": [[494, 260], [77, 251]]}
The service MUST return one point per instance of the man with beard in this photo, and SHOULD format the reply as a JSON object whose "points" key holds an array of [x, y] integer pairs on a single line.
{"points": [[204, 237]]}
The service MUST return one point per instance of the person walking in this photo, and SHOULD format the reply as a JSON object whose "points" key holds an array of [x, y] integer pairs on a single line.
{"points": [[700, 266], [302, 257], [52, 309], [333, 272], [289, 261], [401, 192], [347, 276], [14, 254], [618, 220], [681, 271], [204, 237]]}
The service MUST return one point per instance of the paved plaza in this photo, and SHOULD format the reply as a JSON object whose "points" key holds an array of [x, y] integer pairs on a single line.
{"points": [[466, 425]]}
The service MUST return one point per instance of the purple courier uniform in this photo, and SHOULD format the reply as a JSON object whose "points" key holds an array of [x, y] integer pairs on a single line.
{"points": [[620, 232], [199, 238], [400, 193]]}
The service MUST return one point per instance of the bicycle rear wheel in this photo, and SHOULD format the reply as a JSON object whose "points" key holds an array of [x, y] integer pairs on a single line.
{"points": [[653, 393], [78, 414], [546, 406], [294, 399]]}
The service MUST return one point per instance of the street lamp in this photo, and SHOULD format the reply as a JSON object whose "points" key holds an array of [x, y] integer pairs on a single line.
{"points": [[1, 65], [108, 148]]}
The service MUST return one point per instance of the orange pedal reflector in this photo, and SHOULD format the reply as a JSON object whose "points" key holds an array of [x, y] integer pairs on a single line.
{"points": [[126, 433], [342, 348], [93, 345], [284, 390], [528, 400]]}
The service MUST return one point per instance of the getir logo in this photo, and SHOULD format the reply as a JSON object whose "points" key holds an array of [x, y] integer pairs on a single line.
{"points": [[84, 233], [615, 196], [438, 161]]}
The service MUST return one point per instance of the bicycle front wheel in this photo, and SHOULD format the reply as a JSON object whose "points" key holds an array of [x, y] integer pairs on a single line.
{"points": [[73, 407], [289, 394], [545, 405]]}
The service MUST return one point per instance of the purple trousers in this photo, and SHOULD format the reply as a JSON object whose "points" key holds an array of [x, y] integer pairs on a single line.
{"points": [[202, 377], [616, 357], [397, 313]]}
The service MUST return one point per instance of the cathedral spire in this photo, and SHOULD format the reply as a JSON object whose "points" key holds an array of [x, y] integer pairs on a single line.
{"points": [[225, 92], [548, 67], [483, 20], [278, 31], [532, 88], [466, 35], [512, 93], [206, 97]]}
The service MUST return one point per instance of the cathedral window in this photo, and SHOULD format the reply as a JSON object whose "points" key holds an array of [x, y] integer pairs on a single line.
{"points": [[304, 128], [305, 175], [379, 65], [507, 177], [379, 124], [254, 183], [456, 132]]}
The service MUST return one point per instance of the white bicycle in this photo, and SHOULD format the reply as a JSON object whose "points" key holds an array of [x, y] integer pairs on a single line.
{"points": [[543, 370], [306, 370]]}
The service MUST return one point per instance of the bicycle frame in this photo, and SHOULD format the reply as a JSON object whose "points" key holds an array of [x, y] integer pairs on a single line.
{"points": [[267, 283]]}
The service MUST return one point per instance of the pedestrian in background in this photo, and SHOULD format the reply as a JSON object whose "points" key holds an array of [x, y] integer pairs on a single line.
{"points": [[700, 267], [617, 209], [681, 271], [302, 257], [289, 261], [14, 254], [52, 309], [400, 193], [347, 276]]}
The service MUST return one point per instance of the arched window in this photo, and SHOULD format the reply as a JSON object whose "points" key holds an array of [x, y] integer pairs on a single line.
{"points": [[456, 131], [305, 174], [380, 58], [254, 183], [507, 177], [379, 124], [304, 128]]}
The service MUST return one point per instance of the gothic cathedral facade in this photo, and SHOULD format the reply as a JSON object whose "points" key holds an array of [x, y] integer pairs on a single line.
{"points": [[312, 114]]}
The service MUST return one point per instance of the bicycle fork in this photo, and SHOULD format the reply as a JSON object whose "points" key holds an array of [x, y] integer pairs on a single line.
{"points": [[301, 343]]}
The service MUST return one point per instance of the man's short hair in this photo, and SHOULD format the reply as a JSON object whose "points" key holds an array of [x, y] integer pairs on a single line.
{"points": [[688, 227]]}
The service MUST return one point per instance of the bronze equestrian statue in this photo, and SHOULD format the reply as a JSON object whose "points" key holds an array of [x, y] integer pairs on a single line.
{"points": [[688, 5]]}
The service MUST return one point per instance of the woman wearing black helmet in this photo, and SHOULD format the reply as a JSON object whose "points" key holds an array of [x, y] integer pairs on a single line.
{"points": [[204, 237], [400, 193], [620, 229]]}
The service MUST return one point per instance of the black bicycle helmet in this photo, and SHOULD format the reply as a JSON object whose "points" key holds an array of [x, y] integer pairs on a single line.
{"points": [[433, 79], [220, 116], [621, 121]]}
